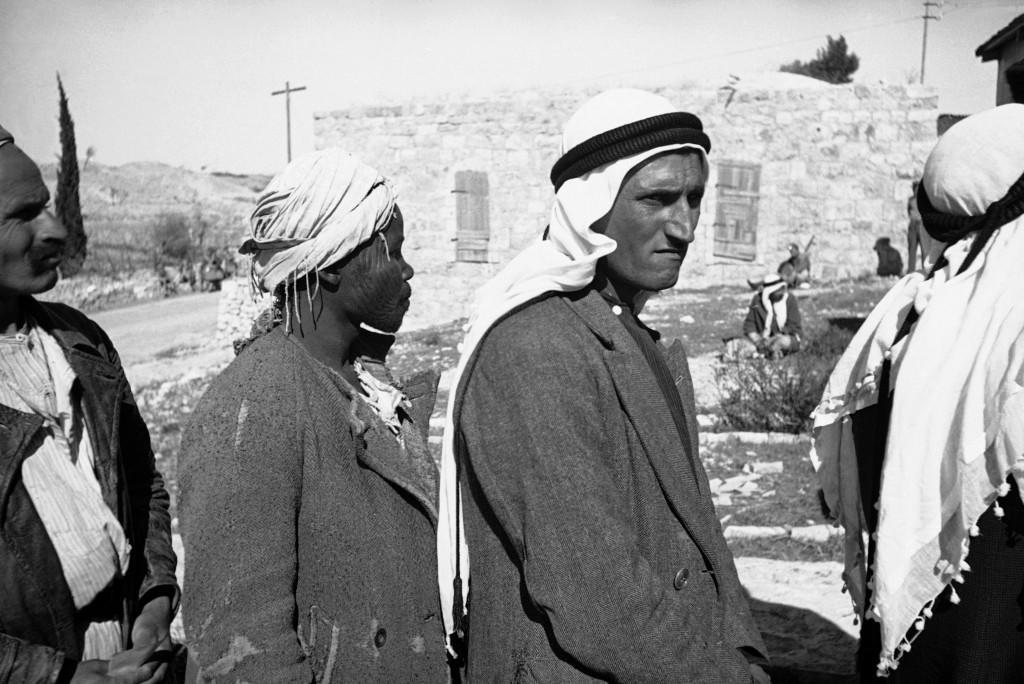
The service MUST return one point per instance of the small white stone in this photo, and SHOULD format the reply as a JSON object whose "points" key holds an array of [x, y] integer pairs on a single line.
{"points": [[617, 310]]}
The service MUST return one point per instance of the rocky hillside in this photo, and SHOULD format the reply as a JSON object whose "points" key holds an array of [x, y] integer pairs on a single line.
{"points": [[128, 198]]}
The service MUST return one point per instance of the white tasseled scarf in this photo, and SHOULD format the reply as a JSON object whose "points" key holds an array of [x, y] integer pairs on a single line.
{"points": [[957, 422]]}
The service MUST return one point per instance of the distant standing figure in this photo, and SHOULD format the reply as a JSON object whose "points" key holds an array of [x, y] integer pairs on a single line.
{"points": [[213, 274], [773, 324], [890, 263], [798, 272]]}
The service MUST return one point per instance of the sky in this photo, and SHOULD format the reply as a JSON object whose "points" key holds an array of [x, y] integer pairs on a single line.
{"points": [[189, 82]]}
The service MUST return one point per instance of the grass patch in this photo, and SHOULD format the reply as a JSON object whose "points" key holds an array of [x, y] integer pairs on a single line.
{"points": [[787, 549], [433, 347], [703, 318]]}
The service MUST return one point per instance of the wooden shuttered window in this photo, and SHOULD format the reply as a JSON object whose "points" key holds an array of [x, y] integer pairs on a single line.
{"points": [[472, 216], [738, 190]]}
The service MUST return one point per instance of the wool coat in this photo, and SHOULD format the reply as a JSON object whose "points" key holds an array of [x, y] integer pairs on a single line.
{"points": [[596, 553], [308, 532], [41, 633]]}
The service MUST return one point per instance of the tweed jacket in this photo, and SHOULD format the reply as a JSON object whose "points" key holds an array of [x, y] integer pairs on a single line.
{"points": [[40, 635], [308, 533], [596, 553]]}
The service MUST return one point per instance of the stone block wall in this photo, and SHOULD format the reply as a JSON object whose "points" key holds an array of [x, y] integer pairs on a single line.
{"points": [[836, 162]]}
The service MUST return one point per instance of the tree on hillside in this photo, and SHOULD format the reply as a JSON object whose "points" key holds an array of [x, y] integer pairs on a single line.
{"points": [[69, 209], [90, 152], [834, 63]]}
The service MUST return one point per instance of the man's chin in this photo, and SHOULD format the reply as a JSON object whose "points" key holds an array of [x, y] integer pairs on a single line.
{"points": [[663, 281], [38, 284]]}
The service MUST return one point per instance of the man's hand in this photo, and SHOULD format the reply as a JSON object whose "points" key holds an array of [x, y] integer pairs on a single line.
{"points": [[151, 642], [758, 675], [99, 672]]}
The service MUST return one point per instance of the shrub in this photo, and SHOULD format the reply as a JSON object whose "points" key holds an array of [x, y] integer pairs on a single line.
{"points": [[763, 395], [172, 238]]}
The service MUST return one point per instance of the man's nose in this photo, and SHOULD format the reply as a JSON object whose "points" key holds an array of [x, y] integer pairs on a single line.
{"points": [[407, 271], [682, 224], [49, 229]]}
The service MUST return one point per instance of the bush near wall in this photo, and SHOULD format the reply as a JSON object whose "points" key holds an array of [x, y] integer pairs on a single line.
{"points": [[766, 395]]}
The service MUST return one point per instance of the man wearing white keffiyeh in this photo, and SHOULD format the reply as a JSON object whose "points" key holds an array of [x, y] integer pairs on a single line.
{"points": [[773, 324], [920, 432], [307, 490], [570, 471]]}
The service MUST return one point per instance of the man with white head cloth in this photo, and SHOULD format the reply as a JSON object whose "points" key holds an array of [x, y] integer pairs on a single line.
{"points": [[308, 494], [920, 433], [571, 483]]}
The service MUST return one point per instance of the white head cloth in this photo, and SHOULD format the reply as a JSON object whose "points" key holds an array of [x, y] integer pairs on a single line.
{"points": [[957, 422], [564, 262], [314, 213], [773, 311]]}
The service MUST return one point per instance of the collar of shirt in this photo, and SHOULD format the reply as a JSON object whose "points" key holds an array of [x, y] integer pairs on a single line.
{"points": [[620, 308]]}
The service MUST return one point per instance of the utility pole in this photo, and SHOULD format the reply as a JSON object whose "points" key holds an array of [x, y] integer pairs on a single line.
{"points": [[287, 92], [924, 37]]}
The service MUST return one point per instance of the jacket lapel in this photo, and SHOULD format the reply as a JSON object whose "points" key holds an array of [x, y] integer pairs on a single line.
{"points": [[411, 469], [97, 381], [644, 404], [17, 429], [100, 381]]}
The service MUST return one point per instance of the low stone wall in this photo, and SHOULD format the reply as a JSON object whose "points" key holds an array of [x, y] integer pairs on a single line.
{"points": [[95, 293], [237, 309]]}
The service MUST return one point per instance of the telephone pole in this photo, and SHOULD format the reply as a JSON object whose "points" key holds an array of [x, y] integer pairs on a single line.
{"points": [[287, 92], [924, 37]]}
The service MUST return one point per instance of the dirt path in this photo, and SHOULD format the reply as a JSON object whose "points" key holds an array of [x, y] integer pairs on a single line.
{"points": [[165, 339]]}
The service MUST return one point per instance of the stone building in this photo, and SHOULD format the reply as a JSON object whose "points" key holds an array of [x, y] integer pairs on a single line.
{"points": [[791, 158], [1007, 46]]}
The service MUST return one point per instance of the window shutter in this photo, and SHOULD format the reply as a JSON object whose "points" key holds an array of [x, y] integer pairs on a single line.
{"points": [[739, 185], [472, 216]]}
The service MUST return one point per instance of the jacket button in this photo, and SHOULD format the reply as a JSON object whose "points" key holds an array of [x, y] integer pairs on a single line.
{"points": [[681, 578], [380, 638]]}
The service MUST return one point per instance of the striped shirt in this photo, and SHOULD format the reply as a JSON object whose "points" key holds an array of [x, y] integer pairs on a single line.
{"points": [[35, 377]]}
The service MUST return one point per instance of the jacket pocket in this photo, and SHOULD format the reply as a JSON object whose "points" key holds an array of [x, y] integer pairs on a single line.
{"points": [[319, 642]]}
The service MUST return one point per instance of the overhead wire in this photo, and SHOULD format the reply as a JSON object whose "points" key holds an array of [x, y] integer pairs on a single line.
{"points": [[757, 48]]}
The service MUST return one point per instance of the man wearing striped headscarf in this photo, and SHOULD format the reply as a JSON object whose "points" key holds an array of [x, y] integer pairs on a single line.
{"points": [[87, 585], [307, 490], [571, 482]]}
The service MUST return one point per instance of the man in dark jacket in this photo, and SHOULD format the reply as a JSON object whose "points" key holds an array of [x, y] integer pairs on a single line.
{"points": [[87, 585], [596, 554], [308, 493]]}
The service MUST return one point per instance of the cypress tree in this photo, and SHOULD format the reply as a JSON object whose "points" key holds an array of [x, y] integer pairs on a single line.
{"points": [[68, 207]]}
